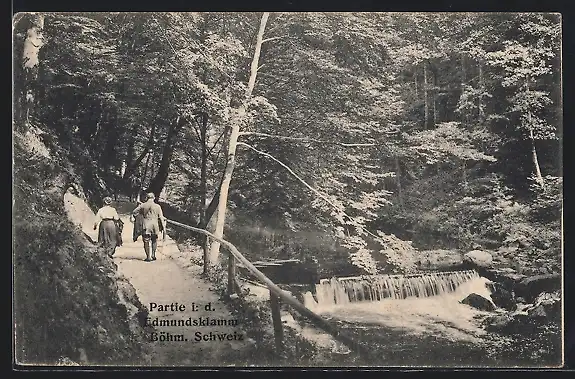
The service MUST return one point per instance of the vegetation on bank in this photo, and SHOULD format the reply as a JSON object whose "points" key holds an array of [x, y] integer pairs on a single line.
{"points": [[67, 305]]}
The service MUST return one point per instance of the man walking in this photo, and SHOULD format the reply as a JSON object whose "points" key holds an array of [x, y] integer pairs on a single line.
{"points": [[154, 223]]}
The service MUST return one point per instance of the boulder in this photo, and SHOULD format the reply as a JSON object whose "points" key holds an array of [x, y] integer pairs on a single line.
{"points": [[478, 258], [498, 323], [478, 302], [502, 297], [509, 323], [439, 260], [509, 278], [532, 286], [547, 305]]}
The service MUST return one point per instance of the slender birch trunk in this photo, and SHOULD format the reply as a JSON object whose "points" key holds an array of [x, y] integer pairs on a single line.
{"points": [[534, 157], [31, 63], [237, 118]]}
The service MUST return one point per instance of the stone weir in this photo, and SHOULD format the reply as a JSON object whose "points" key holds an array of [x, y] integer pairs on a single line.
{"points": [[378, 287]]}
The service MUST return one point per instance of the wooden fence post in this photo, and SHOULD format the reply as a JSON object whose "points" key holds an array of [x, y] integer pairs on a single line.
{"points": [[285, 296], [231, 274], [277, 321]]}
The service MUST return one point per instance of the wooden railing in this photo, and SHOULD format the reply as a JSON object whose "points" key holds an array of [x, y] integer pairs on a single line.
{"points": [[276, 296]]}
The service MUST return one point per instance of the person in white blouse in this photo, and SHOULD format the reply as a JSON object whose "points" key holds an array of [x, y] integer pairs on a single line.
{"points": [[108, 234]]}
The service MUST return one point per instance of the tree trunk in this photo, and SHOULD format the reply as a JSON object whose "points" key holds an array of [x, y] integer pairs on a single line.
{"points": [[211, 209], [398, 179], [130, 151], [232, 144], [434, 95], [31, 63], [415, 83], [147, 151], [463, 73], [425, 99], [538, 175], [159, 181], [481, 112], [463, 82], [204, 186]]}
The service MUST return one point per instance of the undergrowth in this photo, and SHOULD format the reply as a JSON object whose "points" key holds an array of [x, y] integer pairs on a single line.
{"points": [[66, 304]]}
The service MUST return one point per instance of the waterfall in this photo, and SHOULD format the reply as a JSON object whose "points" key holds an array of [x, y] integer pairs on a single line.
{"points": [[378, 287]]}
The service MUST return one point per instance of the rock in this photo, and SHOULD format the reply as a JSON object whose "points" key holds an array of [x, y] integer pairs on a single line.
{"points": [[509, 279], [498, 323], [550, 304], [503, 298], [509, 323], [537, 312], [478, 258], [439, 260], [520, 300], [479, 302], [530, 287]]}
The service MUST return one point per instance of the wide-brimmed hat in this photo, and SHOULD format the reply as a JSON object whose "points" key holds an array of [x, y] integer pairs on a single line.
{"points": [[107, 200], [150, 195]]}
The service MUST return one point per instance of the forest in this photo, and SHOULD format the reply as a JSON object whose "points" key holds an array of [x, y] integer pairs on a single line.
{"points": [[356, 139]]}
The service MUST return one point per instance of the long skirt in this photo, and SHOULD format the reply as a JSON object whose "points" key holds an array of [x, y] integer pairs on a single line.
{"points": [[108, 235]]}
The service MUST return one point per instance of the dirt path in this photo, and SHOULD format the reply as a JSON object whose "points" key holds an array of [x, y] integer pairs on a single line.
{"points": [[169, 280]]}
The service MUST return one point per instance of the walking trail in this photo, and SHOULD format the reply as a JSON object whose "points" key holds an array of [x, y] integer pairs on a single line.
{"points": [[170, 279]]}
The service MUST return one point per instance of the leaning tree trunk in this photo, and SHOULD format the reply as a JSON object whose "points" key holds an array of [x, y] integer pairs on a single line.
{"points": [[538, 175], [31, 63], [159, 180], [237, 118]]}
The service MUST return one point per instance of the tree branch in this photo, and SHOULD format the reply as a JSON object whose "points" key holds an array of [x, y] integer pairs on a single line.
{"points": [[305, 139], [216, 143], [291, 172], [315, 191], [272, 38]]}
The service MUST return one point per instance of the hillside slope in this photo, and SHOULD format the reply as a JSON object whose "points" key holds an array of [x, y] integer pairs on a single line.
{"points": [[70, 305]]}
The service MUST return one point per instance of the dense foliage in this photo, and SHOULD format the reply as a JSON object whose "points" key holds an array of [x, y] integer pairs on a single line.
{"points": [[365, 133]]}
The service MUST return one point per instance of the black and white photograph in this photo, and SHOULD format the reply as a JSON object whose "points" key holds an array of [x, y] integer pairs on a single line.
{"points": [[287, 189]]}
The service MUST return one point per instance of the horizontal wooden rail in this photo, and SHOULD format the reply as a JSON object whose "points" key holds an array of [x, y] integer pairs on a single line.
{"points": [[281, 294]]}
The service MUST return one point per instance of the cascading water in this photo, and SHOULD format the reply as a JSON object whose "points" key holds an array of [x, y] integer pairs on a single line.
{"points": [[378, 287], [416, 303]]}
